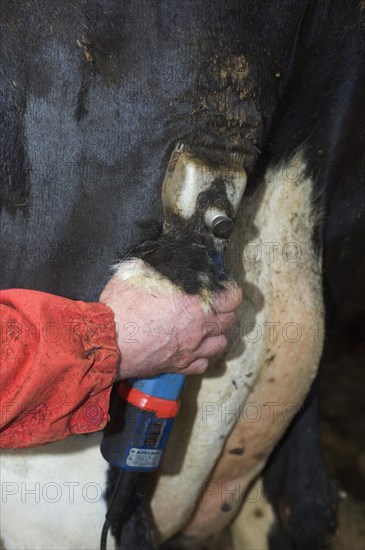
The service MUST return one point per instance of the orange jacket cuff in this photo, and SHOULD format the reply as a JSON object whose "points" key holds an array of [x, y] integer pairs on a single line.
{"points": [[58, 362]]}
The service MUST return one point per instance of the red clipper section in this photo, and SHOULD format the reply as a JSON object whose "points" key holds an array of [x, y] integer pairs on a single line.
{"points": [[164, 408]]}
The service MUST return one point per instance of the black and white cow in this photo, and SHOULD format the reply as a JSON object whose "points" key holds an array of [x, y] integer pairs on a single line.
{"points": [[94, 97]]}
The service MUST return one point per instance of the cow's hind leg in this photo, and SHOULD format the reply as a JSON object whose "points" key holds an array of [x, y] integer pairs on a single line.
{"points": [[279, 360]]}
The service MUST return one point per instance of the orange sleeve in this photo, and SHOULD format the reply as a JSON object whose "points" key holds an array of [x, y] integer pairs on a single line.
{"points": [[58, 361]]}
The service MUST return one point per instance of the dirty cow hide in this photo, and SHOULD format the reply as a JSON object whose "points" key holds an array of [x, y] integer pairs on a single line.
{"points": [[94, 97]]}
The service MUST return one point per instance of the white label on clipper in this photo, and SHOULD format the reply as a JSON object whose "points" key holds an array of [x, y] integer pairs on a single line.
{"points": [[144, 458]]}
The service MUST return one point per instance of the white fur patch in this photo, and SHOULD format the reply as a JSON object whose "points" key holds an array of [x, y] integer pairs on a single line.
{"points": [[52, 496], [139, 274]]}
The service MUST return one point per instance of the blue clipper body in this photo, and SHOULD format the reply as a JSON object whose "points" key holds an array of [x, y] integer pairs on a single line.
{"points": [[143, 415]]}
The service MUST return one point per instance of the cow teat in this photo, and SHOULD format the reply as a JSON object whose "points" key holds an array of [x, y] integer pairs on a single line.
{"points": [[204, 188]]}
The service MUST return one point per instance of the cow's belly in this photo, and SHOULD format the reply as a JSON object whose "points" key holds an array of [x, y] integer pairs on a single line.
{"points": [[51, 497], [271, 362]]}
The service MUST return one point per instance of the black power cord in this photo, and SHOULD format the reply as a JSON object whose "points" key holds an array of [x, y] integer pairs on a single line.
{"points": [[104, 535], [128, 514], [111, 516]]}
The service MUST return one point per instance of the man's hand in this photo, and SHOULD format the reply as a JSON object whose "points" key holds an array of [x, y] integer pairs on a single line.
{"points": [[159, 332]]}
